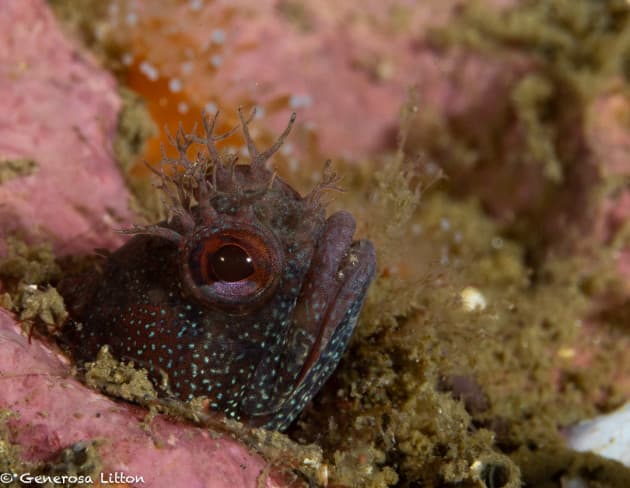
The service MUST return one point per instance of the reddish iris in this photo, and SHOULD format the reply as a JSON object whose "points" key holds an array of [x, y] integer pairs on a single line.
{"points": [[233, 267], [231, 263]]}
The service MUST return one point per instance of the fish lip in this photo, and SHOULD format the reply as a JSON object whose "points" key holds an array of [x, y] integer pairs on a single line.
{"points": [[355, 273]]}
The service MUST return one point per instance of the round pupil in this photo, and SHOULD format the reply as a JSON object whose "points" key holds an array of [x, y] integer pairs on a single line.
{"points": [[230, 263]]}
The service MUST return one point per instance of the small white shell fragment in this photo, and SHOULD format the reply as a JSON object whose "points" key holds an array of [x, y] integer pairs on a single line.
{"points": [[472, 299], [606, 435], [300, 101], [476, 468], [149, 71], [216, 60], [218, 36], [174, 85], [566, 353]]}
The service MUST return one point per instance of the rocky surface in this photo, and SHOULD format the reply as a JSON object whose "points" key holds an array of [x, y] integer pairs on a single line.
{"points": [[59, 116]]}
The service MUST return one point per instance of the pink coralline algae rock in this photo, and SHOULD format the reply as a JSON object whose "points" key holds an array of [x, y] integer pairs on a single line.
{"points": [[59, 110], [346, 67], [55, 411]]}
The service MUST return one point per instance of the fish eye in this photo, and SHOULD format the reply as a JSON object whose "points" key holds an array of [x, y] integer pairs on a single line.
{"points": [[233, 268]]}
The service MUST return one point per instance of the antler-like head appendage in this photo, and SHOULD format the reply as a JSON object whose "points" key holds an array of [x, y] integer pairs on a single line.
{"points": [[186, 183], [257, 158]]}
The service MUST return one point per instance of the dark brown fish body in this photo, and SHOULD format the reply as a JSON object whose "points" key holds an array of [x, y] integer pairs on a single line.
{"points": [[248, 296]]}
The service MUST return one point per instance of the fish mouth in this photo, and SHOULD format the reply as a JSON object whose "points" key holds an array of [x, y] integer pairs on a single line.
{"points": [[345, 299]]}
